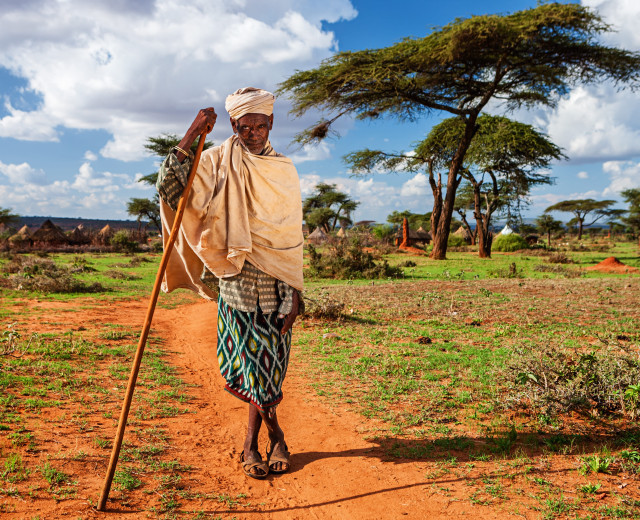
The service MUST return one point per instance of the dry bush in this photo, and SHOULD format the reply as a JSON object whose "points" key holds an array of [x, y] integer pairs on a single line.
{"points": [[559, 269], [553, 379], [346, 259], [120, 275], [559, 258], [28, 273]]}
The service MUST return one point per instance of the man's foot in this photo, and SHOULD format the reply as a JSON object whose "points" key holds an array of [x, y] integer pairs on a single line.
{"points": [[278, 457], [252, 465]]}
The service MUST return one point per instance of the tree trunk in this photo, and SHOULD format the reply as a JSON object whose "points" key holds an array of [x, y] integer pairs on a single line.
{"points": [[549, 239], [441, 237], [580, 222]]}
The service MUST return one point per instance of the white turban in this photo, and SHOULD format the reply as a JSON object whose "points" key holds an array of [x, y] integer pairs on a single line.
{"points": [[249, 100]]}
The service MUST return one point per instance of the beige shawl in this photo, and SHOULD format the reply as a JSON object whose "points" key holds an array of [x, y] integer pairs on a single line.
{"points": [[242, 207]]}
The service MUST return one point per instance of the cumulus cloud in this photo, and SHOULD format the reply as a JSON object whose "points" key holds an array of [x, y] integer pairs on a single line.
{"points": [[624, 175], [317, 152], [92, 194], [582, 175], [94, 68], [377, 198], [417, 185], [22, 174]]}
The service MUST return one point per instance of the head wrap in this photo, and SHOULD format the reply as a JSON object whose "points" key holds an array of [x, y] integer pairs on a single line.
{"points": [[249, 100]]}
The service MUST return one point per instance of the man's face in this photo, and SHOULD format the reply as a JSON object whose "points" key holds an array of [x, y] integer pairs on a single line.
{"points": [[253, 130]]}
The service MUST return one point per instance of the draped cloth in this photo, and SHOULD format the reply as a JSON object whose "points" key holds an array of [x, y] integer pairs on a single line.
{"points": [[241, 207]]}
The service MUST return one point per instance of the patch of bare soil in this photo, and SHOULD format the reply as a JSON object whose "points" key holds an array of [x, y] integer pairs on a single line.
{"points": [[612, 265], [339, 471]]}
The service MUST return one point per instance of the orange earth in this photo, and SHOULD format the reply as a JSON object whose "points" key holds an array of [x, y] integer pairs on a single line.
{"points": [[339, 470], [612, 265]]}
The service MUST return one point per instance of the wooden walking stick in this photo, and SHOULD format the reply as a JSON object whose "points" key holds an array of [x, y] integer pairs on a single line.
{"points": [[122, 422]]}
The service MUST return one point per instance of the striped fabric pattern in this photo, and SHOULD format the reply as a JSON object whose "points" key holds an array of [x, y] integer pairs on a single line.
{"points": [[252, 354]]}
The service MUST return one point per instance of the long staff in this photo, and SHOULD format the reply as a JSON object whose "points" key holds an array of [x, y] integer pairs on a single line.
{"points": [[122, 422]]}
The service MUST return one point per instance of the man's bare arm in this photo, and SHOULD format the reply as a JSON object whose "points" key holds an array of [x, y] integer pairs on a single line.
{"points": [[206, 118]]}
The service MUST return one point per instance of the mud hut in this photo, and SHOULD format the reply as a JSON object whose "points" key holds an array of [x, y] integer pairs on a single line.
{"points": [[79, 236], [104, 235], [464, 233], [21, 238], [49, 235], [317, 237]]}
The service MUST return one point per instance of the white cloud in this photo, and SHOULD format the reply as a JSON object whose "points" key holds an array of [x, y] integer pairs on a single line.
{"points": [[90, 156], [377, 198], [22, 174], [98, 65], [318, 152], [582, 175], [624, 175], [417, 185]]}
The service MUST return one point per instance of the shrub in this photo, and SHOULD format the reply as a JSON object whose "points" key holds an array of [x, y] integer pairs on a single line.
{"points": [[122, 241], [509, 243], [553, 380], [456, 241], [28, 273], [345, 259]]}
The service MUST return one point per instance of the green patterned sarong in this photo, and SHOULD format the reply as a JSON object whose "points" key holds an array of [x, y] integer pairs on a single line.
{"points": [[252, 354]]}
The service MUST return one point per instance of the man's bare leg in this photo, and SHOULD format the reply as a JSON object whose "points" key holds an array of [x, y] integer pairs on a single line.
{"points": [[276, 438], [251, 452]]}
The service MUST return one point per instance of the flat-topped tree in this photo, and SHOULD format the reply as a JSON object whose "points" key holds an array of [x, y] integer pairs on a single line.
{"points": [[503, 162], [580, 208], [524, 59]]}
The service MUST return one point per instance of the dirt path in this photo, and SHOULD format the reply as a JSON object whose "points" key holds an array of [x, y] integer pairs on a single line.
{"points": [[336, 473]]}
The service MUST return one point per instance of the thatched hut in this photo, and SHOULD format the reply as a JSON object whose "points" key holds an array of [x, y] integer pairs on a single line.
{"points": [[49, 235], [415, 237], [341, 233], [79, 236], [464, 233], [317, 237], [21, 238], [104, 235]]}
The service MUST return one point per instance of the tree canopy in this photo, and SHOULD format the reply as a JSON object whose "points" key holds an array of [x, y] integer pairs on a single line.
{"points": [[524, 59], [6, 217], [144, 209], [632, 197], [580, 208], [327, 207]]}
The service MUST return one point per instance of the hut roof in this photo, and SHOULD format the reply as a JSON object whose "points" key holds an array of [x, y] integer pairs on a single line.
{"points": [[463, 232], [340, 233], [24, 233], [79, 235], [50, 233], [105, 231], [422, 233], [317, 234]]}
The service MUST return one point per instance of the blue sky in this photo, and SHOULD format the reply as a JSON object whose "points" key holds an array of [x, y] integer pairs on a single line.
{"points": [[83, 84]]}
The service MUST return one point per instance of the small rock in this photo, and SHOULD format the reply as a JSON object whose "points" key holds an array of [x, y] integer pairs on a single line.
{"points": [[329, 335]]}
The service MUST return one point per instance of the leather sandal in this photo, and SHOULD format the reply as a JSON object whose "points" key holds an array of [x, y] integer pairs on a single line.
{"points": [[284, 457], [248, 467]]}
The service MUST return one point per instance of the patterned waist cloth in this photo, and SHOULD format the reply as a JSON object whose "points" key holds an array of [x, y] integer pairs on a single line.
{"points": [[252, 354]]}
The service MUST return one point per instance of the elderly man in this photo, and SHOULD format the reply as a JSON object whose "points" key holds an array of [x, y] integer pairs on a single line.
{"points": [[242, 232]]}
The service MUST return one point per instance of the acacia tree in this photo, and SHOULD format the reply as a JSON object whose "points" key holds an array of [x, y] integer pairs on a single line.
{"points": [[547, 224], [327, 207], [524, 59], [144, 209], [6, 217], [504, 160], [416, 220], [580, 208], [632, 197]]}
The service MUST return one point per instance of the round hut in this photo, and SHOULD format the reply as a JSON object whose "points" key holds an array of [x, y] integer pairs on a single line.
{"points": [[104, 236], [317, 237], [79, 236], [22, 238], [49, 235]]}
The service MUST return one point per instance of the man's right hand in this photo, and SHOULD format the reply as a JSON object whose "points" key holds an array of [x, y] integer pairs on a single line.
{"points": [[205, 120]]}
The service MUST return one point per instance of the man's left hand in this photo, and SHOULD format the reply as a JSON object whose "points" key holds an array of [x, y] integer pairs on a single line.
{"points": [[291, 317]]}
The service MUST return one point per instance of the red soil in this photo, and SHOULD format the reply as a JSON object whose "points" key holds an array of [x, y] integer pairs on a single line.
{"points": [[612, 265]]}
